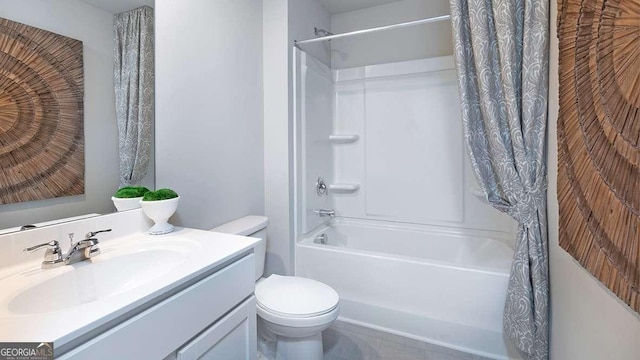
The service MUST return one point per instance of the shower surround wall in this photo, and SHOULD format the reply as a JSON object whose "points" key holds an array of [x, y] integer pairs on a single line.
{"points": [[316, 84], [406, 156]]}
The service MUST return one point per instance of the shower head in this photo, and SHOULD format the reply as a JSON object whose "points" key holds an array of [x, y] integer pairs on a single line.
{"points": [[322, 32]]}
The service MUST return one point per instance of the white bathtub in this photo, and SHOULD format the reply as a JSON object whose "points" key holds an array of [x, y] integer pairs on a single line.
{"points": [[446, 287]]}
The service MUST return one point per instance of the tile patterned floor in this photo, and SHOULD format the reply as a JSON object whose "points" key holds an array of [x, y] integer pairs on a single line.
{"points": [[345, 341]]}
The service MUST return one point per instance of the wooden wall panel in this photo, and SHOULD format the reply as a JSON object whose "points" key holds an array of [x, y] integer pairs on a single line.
{"points": [[41, 114], [598, 140]]}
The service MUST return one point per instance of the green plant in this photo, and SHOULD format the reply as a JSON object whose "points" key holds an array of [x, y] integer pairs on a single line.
{"points": [[128, 192], [162, 194]]}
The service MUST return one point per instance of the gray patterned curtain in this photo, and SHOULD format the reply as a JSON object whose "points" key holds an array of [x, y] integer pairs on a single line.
{"points": [[134, 90], [502, 58]]}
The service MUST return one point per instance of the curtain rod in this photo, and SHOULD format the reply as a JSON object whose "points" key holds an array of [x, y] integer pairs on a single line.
{"points": [[375, 29]]}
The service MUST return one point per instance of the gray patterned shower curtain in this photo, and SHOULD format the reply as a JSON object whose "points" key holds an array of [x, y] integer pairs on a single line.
{"points": [[502, 57], [134, 91]]}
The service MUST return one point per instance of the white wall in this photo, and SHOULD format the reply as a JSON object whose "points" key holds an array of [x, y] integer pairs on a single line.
{"points": [[94, 28], [209, 105], [277, 136], [296, 19], [588, 321], [408, 43]]}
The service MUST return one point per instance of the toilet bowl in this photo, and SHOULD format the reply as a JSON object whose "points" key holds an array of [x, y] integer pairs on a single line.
{"points": [[291, 310]]}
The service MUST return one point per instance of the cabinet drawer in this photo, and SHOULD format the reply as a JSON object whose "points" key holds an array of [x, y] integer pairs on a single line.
{"points": [[161, 329], [232, 337]]}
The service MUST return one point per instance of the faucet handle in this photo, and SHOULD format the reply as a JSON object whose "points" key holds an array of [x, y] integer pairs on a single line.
{"points": [[51, 245], [53, 255], [94, 233]]}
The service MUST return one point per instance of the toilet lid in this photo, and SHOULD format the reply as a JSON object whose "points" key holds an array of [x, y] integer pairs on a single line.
{"points": [[295, 296]]}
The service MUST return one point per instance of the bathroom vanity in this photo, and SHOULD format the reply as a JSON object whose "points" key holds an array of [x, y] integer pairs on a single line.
{"points": [[184, 295]]}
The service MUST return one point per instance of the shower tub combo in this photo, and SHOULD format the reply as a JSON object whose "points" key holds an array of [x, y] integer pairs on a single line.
{"points": [[440, 285], [404, 253]]}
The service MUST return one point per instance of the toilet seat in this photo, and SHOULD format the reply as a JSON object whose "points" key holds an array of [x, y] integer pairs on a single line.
{"points": [[296, 301], [303, 322]]}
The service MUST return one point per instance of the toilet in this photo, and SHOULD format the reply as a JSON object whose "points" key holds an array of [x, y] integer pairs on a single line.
{"points": [[292, 310]]}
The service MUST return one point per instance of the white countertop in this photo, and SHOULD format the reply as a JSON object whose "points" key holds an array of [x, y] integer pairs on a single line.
{"points": [[209, 250]]}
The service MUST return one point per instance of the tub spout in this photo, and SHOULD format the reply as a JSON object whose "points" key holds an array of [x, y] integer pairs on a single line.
{"points": [[321, 239], [325, 212]]}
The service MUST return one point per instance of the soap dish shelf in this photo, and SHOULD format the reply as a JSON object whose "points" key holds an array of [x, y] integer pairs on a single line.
{"points": [[343, 139], [344, 188]]}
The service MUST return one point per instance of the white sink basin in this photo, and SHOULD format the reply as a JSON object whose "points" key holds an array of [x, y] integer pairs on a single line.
{"points": [[120, 268], [65, 303]]}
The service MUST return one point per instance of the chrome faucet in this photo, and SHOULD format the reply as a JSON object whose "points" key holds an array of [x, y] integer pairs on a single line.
{"points": [[80, 251], [325, 212]]}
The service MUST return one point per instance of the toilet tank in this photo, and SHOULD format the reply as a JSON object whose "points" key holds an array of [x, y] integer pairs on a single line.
{"points": [[253, 226]]}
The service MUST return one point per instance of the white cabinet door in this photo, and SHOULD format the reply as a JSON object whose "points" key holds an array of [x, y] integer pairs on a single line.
{"points": [[234, 337], [166, 326]]}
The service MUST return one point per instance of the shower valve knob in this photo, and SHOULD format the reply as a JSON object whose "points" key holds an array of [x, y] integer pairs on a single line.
{"points": [[321, 187]]}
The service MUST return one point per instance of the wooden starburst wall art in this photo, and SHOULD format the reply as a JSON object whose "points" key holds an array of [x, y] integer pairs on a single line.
{"points": [[41, 114], [598, 140]]}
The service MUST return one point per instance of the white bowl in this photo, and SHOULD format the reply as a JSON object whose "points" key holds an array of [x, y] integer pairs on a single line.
{"points": [[123, 204], [160, 211]]}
